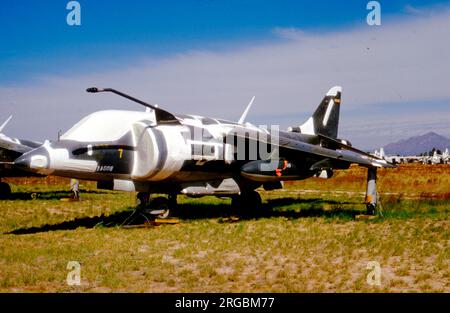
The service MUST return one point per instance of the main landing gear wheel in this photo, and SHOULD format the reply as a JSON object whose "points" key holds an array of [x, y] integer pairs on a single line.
{"points": [[247, 201], [5, 191]]}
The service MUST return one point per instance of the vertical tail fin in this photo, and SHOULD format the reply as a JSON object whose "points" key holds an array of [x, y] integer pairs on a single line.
{"points": [[325, 120]]}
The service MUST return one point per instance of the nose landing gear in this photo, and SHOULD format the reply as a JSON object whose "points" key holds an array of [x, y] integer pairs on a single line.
{"points": [[159, 207]]}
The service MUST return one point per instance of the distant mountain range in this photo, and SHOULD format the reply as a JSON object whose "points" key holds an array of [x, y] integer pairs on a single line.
{"points": [[418, 144]]}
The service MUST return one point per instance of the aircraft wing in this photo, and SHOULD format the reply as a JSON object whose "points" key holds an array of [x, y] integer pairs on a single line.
{"points": [[13, 145], [294, 148], [340, 145], [11, 149], [350, 156]]}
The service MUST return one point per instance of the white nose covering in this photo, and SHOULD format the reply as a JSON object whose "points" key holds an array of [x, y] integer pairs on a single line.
{"points": [[60, 160]]}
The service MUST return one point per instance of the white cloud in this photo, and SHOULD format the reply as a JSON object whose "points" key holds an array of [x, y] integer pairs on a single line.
{"points": [[400, 62], [290, 33], [413, 10]]}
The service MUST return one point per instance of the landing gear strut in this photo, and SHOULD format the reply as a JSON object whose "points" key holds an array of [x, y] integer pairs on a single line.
{"points": [[371, 192], [5, 191]]}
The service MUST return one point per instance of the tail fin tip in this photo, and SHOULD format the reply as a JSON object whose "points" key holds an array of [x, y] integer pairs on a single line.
{"points": [[333, 92]]}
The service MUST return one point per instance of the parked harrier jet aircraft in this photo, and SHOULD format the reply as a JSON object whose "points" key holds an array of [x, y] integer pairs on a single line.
{"points": [[159, 152], [436, 158], [11, 149]]}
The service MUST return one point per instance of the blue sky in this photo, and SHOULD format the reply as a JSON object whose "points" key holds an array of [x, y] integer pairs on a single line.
{"points": [[36, 38], [210, 57]]}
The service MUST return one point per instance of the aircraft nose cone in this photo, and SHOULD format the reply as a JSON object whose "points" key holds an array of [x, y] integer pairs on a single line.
{"points": [[36, 159]]}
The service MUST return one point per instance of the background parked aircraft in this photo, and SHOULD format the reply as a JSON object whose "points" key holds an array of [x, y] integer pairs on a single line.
{"points": [[11, 149]]}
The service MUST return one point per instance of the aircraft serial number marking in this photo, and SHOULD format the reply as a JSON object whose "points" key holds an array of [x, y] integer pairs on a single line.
{"points": [[105, 168]]}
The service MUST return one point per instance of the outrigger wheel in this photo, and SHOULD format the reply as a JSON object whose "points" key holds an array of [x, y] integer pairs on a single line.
{"points": [[371, 192], [5, 191], [371, 209]]}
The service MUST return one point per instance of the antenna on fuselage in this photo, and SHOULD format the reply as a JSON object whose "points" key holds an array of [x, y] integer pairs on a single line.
{"points": [[244, 115], [162, 116], [5, 123]]}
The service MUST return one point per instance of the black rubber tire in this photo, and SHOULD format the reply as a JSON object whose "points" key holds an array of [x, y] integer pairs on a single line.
{"points": [[142, 198], [173, 204], [254, 200], [371, 209], [159, 204], [248, 201], [5, 191]]}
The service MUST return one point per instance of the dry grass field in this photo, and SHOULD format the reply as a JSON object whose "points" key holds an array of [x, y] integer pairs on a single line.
{"points": [[306, 239]]}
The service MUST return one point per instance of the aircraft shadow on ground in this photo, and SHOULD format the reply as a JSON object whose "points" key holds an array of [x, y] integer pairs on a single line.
{"points": [[199, 211], [48, 195]]}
